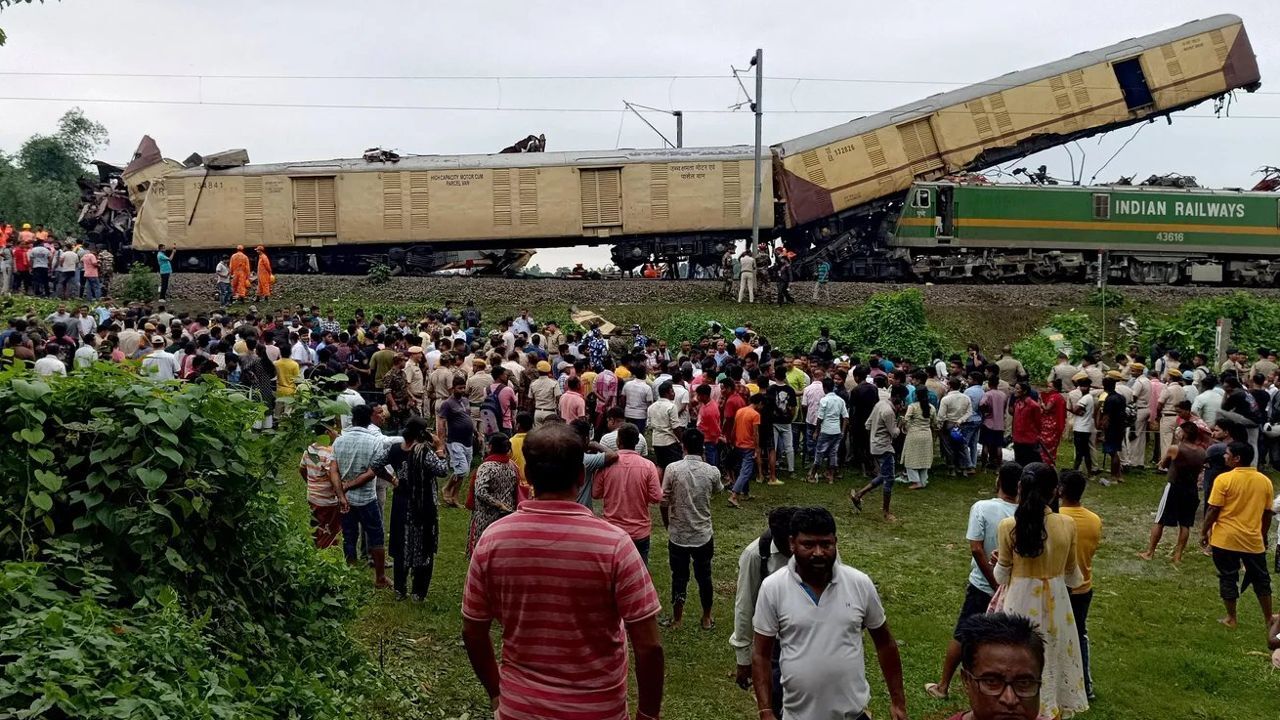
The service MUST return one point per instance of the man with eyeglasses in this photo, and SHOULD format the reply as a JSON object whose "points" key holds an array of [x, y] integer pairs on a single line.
{"points": [[1001, 659]]}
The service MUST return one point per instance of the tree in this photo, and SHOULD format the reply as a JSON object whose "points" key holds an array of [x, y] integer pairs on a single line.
{"points": [[6, 3], [38, 184]]}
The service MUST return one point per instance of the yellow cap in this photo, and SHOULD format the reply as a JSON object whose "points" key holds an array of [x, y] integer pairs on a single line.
{"points": [[544, 366]]}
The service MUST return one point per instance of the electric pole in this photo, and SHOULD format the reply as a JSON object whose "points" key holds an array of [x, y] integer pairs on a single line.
{"points": [[757, 106]]}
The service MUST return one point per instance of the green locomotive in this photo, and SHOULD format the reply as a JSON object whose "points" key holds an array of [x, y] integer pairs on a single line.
{"points": [[1138, 234]]}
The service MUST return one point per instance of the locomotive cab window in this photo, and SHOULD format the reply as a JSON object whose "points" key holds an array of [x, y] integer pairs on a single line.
{"points": [[946, 212], [1101, 207], [1133, 83], [921, 198]]}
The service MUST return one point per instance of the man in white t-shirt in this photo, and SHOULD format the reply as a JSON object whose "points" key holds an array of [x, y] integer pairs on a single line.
{"points": [[159, 364], [817, 608], [1083, 422], [352, 397], [639, 396]]}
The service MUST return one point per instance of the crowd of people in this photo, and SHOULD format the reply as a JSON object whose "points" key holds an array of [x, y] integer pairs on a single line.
{"points": [[34, 262], [575, 436]]}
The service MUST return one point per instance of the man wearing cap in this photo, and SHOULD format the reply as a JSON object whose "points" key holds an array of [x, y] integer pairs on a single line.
{"points": [[159, 364], [239, 274], [544, 392], [1233, 363], [1135, 455], [416, 380], [1083, 406], [1167, 408], [265, 278]]}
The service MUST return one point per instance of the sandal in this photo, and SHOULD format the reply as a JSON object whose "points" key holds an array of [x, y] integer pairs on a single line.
{"points": [[935, 692], [857, 502]]}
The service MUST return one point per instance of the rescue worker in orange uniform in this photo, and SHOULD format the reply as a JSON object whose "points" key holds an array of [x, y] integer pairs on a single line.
{"points": [[265, 278], [239, 273]]}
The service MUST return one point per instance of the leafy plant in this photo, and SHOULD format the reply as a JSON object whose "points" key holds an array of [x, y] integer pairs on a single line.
{"points": [[1255, 322], [1105, 297], [379, 274], [1072, 332], [189, 559], [140, 284]]}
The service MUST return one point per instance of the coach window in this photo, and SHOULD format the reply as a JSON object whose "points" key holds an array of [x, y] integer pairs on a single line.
{"points": [[921, 199], [1101, 206]]}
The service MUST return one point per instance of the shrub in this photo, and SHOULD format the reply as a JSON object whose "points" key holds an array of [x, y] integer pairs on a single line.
{"points": [[379, 274], [140, 285], [1075, 332], [153, 546], [1255, 322]]}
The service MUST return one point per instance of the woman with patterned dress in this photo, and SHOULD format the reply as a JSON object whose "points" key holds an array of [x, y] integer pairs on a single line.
{"points": [[495, 489], [917, 449], [415, 517], [1053, 421], [1036, 566], [258, 375]]}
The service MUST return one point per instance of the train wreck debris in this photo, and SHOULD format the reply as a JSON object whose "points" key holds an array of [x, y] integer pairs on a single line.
{"points": [[532, 143], [377, 154]]}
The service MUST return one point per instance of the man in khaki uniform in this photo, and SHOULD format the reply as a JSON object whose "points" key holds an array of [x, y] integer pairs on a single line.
{"points": [[1136, 449], [416, 381], [478, 387], [440, 383], [1064, 371], [1167, 408], [1010, 368], [543, 393]]}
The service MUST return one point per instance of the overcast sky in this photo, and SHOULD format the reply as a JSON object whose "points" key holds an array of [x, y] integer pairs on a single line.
{"points": [[909, 50]]}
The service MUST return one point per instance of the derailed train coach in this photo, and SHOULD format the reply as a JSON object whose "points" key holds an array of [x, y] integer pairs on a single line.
{"points": [[419, 211], [840, 188], [1136, 234]]}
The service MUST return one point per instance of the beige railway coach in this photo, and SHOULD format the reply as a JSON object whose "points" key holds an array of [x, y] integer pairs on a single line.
{"points": [[879, 156], [504, 200]]}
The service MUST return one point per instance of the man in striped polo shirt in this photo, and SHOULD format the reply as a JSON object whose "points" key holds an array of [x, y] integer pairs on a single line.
{"points": [[564, 644]]}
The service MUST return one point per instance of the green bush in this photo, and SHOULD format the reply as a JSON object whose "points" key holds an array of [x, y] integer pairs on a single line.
{"points": [[140, 284], [1255, 322], [1038, 353], [379, 274], [152, 526]]}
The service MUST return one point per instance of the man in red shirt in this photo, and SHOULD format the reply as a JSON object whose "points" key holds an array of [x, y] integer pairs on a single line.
{"points": [[1026, 425], [628, 487], [709, 424], [564, 645]]}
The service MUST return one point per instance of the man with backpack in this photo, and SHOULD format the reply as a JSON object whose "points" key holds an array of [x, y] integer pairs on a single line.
{"points": [[823, 348], [498, 411], [759, 559]]}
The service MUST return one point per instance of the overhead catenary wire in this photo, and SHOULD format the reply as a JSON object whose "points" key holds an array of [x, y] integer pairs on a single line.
{"points": [[995, 83], [494, 108]]}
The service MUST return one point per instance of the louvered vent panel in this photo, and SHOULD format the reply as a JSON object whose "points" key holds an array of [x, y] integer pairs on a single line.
{"points": [[659, 193], [528, 196], [1003, 121], [875, 153], [590, 193], [731, 174], [1076, 79], [813, 168], [176, 208], [981, 123], [253, 227], [1219, 44], [392, 202], [502, 198], [419, 201], [920, 146], [315, 210]]}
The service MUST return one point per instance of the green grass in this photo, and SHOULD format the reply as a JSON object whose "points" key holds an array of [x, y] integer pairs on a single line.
{"points": [[1158, 651]]}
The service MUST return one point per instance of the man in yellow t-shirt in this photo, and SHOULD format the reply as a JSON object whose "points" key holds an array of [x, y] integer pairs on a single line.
{"points": [[1088, 537], [1235, 528], [288, 373]]}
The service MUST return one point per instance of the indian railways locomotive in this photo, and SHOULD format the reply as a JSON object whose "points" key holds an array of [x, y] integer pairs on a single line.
{"points": [[837, 193], [992, 233]]}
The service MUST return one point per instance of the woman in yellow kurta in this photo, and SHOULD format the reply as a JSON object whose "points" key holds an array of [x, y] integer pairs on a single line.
{"points": [[265, 278], [239, 273], [1036, 565]]}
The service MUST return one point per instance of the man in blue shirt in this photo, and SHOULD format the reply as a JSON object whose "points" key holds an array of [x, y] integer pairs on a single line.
{"points": [[970, 427], [820, 288], [164, 261]]}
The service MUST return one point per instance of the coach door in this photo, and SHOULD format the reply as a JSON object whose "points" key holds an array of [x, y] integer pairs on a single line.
{"points": [[315, 207], [601, 200], [946, 212]]}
